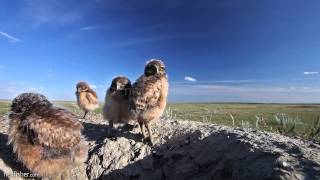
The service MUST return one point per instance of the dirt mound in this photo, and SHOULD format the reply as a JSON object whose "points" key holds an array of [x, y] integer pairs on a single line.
{"points": [[190, 150]]}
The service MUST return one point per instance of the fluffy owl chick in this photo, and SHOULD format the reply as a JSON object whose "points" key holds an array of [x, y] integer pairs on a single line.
{"points": [[87, 98], [46, 139], [148, 97], [115, 109]]}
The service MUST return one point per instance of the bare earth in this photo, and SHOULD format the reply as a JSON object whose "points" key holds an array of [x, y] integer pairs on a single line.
{"points": [[185, 150]]}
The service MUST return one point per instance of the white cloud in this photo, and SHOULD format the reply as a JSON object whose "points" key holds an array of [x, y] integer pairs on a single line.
{"points": [[144, 40], [52, 12], [2, 67], [93, 86], [224, 93], [102, 86], [12, 89], [10, 38], [236, 81], [191, 79], [310, 72], [239, 81], [49, 72], [34, 89], [86, 28]]}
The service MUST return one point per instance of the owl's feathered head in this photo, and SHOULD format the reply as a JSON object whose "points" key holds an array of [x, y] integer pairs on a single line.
{"points": [[154, 67], [120, 83], [82, 87], [29, 102]]}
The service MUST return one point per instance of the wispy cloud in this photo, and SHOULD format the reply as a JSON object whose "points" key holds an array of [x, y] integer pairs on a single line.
{"points": [[87, 28], [233, 93], [9, 37], [143, 40], [239, 81], [93, 86], [49, 72], [2, 67], [34, 89], [191, 79], [11, 89], [53, 12], [310, 72]]}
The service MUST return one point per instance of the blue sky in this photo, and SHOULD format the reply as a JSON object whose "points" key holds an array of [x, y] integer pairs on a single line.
{"points": [[215, 50]]}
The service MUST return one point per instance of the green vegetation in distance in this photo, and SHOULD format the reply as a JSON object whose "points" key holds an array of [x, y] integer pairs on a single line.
{"points": [[288, 119]]}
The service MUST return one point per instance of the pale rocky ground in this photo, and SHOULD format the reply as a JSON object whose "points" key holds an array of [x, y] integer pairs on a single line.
{"points": [[186, 150]]}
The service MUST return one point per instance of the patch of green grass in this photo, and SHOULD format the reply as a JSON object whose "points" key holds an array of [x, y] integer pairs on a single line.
{"points": [[302, 117], [72, 106], [4, 107]]}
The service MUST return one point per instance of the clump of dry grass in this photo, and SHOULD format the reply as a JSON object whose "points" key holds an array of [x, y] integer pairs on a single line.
{"points": [[286, 125], [169, 114], [315, 130], [233, 120]]}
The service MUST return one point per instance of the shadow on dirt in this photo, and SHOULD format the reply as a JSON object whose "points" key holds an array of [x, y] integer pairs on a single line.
{"points": [[98, 132], [218, 156]]}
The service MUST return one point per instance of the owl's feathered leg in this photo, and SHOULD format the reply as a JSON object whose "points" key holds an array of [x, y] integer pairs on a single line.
{"points": [[149, 132], [142, 130], [85, 114], [110, 129]]}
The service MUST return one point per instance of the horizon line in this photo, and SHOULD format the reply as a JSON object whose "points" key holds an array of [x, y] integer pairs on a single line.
{"points": [[204, 102]]}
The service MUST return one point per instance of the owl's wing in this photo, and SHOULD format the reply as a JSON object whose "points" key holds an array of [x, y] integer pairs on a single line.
{"points": [[91, 98], [57, 128], [147, 91]]}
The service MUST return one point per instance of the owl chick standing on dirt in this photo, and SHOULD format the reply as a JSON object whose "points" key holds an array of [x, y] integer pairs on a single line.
{"points": [[87, 98], [46, 139], [148, 97], [115, 109]]}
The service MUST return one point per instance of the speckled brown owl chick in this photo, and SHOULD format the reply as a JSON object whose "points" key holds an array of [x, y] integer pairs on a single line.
{"points": [[148, 97], [116, 107], [87, 98], [46, 139]]}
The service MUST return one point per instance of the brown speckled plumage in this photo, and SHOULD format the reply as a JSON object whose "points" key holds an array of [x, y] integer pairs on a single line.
{"points": [[46, 139], [148, 98], [116, 107], [87, 98]]}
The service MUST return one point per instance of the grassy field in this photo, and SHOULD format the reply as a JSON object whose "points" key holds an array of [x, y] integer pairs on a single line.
{"points": [[289, 119], [4, 106]]}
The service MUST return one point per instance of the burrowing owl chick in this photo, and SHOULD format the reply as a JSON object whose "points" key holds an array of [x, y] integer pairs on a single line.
{"points": [[46, 139], [148, 97], [116, 107], [87, 98]]}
